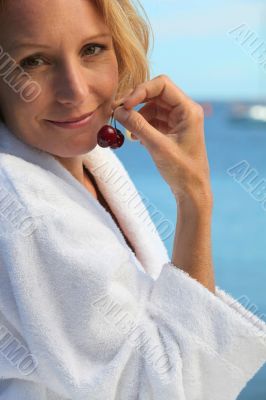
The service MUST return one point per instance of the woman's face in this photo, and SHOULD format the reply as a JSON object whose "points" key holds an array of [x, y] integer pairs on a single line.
{"points": [[75, 76]]}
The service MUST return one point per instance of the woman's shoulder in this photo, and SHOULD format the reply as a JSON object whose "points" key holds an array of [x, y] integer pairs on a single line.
{"points": [[38, 201], [20, 189], [30, 182], [30, 196], [24, 181], [18, 170]]}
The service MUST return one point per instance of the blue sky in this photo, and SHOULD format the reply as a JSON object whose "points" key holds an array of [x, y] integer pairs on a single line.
{"points": [[192, 46]]}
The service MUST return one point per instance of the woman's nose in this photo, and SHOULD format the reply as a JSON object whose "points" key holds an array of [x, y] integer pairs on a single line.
{"points": [[71, 86]]}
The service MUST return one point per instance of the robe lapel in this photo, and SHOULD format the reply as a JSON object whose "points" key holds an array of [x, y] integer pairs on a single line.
{"points": [[121, 194]]}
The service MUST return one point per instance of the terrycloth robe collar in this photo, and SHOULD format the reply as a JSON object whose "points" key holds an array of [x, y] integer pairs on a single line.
{"points": [[117, 188]]}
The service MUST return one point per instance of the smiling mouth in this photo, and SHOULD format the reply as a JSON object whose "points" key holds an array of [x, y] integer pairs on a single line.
{"points": [[74, 119], [84, 122]]}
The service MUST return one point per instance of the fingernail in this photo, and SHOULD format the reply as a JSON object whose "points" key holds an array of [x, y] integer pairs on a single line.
{"points": [[122, 114]]}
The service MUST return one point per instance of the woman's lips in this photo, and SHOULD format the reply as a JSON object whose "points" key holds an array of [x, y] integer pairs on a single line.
{"points": [[74, 125]]}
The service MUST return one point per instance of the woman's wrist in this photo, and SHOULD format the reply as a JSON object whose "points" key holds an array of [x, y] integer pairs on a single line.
{"points": [[192, 243], [196, 203]]}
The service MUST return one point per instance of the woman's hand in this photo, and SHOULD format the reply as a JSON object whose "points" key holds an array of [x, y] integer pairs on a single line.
{"points": [[171, 127]]}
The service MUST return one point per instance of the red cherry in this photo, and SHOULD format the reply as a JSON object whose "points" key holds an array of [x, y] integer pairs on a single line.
{"points": [[107, 136], [120, 138]]}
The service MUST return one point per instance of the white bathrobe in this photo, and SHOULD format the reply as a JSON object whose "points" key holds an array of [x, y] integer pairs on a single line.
{"points": [[82, 317]]}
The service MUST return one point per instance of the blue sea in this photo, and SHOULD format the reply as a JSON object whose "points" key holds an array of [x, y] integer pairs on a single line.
{"points": [[239, 216]]}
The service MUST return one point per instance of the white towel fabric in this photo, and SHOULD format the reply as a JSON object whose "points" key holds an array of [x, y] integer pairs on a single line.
{"points": [[82, 317]]}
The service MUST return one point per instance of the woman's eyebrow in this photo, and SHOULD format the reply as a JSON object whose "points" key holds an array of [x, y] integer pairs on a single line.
{"points": [[20, 44]]}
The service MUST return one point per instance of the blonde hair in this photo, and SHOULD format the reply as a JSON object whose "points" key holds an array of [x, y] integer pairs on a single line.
{"points": [[131, 34]]}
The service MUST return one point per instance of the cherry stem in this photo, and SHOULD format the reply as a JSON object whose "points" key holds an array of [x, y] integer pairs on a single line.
{"points": [[112, 117]]}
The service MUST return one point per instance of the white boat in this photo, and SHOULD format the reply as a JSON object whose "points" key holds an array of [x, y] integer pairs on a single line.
{"points": [[248, 112]]}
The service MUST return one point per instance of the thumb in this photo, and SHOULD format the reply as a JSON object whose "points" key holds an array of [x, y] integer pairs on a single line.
{"points": [[138, 125]]}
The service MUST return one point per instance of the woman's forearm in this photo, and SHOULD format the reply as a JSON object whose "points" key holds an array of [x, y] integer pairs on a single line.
{"points": [[192, 243]]}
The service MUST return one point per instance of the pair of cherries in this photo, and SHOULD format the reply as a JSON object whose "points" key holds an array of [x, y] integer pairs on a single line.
{"points": [[110, 137]]}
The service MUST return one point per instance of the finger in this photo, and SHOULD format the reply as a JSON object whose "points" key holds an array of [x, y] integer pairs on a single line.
{"points": [[137, 124], [161, 89], [119, 101], [160, 125], [154, 114], [153, 110]]}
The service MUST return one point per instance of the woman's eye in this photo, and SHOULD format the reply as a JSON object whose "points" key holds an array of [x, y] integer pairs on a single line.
{"points": [[93, 46], [30, 62]]}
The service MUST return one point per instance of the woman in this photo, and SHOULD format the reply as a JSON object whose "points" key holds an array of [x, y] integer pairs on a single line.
{"points": [[91, 307]]}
